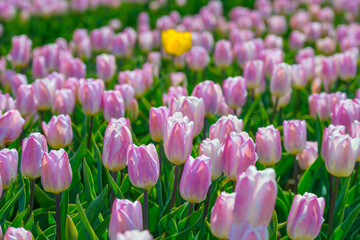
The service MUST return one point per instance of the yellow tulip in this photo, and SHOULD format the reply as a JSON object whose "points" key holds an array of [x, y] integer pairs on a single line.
{"points": [[175, 43]]}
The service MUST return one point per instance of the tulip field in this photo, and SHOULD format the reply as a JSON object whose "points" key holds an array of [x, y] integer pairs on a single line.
{"points": [[179, 119]]}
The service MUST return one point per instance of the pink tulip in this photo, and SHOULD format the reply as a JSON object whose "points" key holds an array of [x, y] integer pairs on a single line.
{"points": [[294, 133], [214, 150], [114, 106], [135, 78], [101, 38], [197, 58], [308, 156], [319, 105], [280, 82], [16, 81], [268, 145], [354, 130], [134, 234], [239, 154], [312, 30], [125, 216], [305, 217], [39, 69], [328, 131], [72, 67], [64, 102], [223, 56], [44, 92], [143, 165], [272, 58], [222, 214], [133, 110], [298, 76], [146, 41], [235, 92], [20, 51], [211, 94], [328, 72], [90, 95], [8, 166], [127, 92], [222, 128], [245, 51], [196, 179], [207, 41], [58, 131], [157, 122], [297, 39], [11, 125], [254, 73], [245, 231], [277, 24], [105, 66], [178, 138], [345, 112], [174, 92], [25, 102], [177, 78], [191, 107], [273, 41], [33, 149], [120, 45], [240, 35], [18, 234]]}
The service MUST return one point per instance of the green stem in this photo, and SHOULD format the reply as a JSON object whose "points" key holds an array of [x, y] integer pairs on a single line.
{"points": [[112, 196], [205, 128], [191, 206], [58, 217], [275, 110], [176, 180], [295, 175], [146, 209], [207, 201], [32, 195], [90, 131], [332, 207]]}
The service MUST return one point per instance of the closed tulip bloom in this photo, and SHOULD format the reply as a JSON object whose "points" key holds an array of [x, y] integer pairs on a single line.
{"points": [[328, 131], [294, 133], [44, 92], [8, 166], [11, 125], [354, 130], [105, 66], [298, 76], [127, 92], [90, 96], [280, 82], [223, 126], [120, 45], [340, 154], [20, 51], [174, 92], [255, 198], [268, 145], [244, 52], [117, 139], [178, 78], [143, 165], [135, 78], [235, 91], [39, 69], [305, 217], [254, 73], [297, 39], [214, 150], [178, 138], [196, 179], [328, 72], [33, 149], [308, 156], [245, 231], [273, 41], [25, 100], [135, 234], [125, 216], [114, 106], [319, 105], [175, 43], [64, 101], [18, 234], [344, 113], [347, 66], [58, 131], [211, 94], [197, 58], [101, 38], [223, 55], [239, 154], [157, 122], [191, 107], [222, 214]]}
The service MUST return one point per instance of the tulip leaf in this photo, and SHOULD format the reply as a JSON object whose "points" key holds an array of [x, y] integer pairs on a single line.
{"points": [[64, 210], [71, 232], [20, 217], [79, 155], [274, 226], [96, 206], [43, 199], [4, 211], [89, 232], [101, 227], [165, 220], [307, 180], [114, 186], [250, 111], [89, 182], [41, 235], [342, 230], [341, 201], [98, 160], [30, 223]]}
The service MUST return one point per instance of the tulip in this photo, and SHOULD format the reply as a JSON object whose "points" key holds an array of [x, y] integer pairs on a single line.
{"points": [[8, 166], [347, 66], [191, 107], [344, 113], [25, 101], [58, 131], [280, 82], [207, 41], [244, 52], [239, 154], [308, 156], [319, 105], [157, 122], [222, 214], [177, 78], [174, 92], [223, 56], [6, 102], [298, 76], [72, 67], [90, 96], [255, 197], [44, 92], [268, 145], [64, 102], [354, 130], [294, 136], [39, 69], [105, 67], [133, 110], [328, 72], [16, 80], [305, 217], [175, 43], [18, 234], [297, 39], [224, 109], [114, 106], [120, 45], [197, 58], [211, 94], [101, 38], [11, 125], [20, 51], [245, 231], [254, 73], [146, 41], [331, 129], [273, 41], [196, 179], [277, 24], [282, 101], [134, 234], [223, 126], [214, 150], [135, 78], [235, 92]]}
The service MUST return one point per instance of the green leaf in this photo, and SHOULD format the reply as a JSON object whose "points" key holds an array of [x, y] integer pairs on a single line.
{"points": [[89, 183], [43, 199], [4, 211], [342, 230], [79, 155], [64, 210], [70, 230], [20, 217], [41, 235], [165, 220], [274, 227], [251, 110], [307, 178], [114, 186], [100, 229], [341, 201], [96, 206], [89, 232]]}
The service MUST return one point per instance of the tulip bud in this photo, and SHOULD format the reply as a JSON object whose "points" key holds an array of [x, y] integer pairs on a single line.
{"points": [[105, 66], [90, 96], [294, 133], [252, 205], [191, 107], [18, 234], [197, 58], [157, 122], [222, 214], [211, 94], [20, 51], [235, 92], [64, 102], [332, 129], [125, 216], [25, 101], [223, 56], [214, 150], [254, 73], [245, 231], [9, 165], [244, 52], [196, 179], [133, 110], [178, 138], [305, 217], [239, 154], [114, 106], [174, 92], [117, 139], [134, 234], [223, 126], [280, 82], [143, 165], [11, 125], [58, 131], [56, 174], [33, 149], [44, 92], [308, 156], [268, 145], [39, 69], [127, 92], [344, 113]]}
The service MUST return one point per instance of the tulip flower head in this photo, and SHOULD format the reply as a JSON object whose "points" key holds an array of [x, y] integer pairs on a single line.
{"points": [[58, 131], [294, 136], [11, 125], [224, 126], [18, 234], [8, 166], [214, 150], [175, 43], [268, 145], [308, 156], [222, 214]]}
